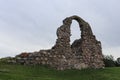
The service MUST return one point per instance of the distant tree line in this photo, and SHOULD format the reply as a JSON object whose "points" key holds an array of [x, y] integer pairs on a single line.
{"points": [[110, 62]]}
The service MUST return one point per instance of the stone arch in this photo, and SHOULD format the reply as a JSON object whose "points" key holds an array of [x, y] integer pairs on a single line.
{"points": [[64, 31], [85, 51]]}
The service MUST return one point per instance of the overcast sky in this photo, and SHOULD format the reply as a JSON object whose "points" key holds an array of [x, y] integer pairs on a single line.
{"points": [[30, 25]]}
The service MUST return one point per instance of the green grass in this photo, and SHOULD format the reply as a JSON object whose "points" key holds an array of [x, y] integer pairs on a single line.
{"points": [[20, 72]]}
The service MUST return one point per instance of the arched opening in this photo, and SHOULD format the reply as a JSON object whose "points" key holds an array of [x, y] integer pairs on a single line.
{"points": [[75, 31]]}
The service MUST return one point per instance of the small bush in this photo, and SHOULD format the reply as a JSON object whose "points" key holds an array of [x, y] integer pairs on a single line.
{"points": [[109, 61], [5, 60], [117, 62]]}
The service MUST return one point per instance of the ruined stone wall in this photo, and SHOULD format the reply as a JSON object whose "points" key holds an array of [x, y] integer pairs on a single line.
{"points": [[85, 52]]}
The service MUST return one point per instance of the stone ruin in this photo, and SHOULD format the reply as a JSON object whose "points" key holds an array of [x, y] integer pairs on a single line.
{"points": [[85, 52]]}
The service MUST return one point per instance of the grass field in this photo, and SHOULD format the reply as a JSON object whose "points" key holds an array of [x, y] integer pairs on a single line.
{"points": [[20, 72]]}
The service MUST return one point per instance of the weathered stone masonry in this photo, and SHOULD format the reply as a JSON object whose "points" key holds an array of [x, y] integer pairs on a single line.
{"points": [[85, 52]]}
